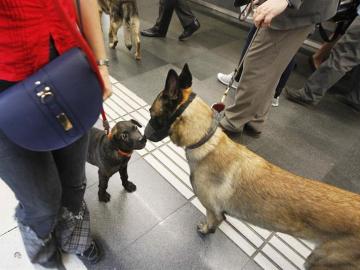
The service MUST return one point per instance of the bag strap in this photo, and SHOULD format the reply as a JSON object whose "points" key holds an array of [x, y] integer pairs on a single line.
{"points": [[79, 16], [337, 32], [106, 124]]}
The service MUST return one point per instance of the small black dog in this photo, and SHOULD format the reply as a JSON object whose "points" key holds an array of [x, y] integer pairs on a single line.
{"points": [[112, 153]]}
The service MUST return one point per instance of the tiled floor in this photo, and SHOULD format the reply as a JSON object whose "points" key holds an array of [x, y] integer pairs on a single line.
{"points": [[154, 228]]}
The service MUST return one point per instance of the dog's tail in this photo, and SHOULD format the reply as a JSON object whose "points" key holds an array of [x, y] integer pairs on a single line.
{"points": [[341, 253]]}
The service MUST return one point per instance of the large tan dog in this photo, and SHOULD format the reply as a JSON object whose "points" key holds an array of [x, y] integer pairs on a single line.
{"points": [[230, 179], [123, 11]]}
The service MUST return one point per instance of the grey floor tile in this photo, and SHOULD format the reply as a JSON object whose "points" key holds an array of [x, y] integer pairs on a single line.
{"points": [[212, 38], [346, 172], [322, 127], [231, 51], [175, 244], [149, 84], [207, 65], [172, 50], [285, 148], [125, 66], [251, 265]]}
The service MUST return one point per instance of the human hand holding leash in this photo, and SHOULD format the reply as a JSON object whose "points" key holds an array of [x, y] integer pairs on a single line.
{"points": [[266, 12], [104, 72]]}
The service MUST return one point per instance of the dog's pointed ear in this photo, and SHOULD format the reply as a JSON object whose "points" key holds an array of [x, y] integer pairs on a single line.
{"points": [[136, 123], [172, 89], [185, 78]]}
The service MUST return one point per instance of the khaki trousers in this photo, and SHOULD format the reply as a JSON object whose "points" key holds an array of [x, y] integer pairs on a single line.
{"points": [[267, 59]]}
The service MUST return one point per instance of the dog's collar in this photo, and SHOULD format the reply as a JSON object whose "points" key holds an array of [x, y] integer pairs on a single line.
{"points": [[124, 154], [210, 132], [120, 152]]}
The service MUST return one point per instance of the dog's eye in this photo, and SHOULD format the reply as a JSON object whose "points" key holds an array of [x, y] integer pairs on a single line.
{"points": [[124, 136]]}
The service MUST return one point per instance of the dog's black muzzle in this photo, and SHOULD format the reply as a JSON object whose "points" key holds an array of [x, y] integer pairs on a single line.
{"points": [[156, 132]]}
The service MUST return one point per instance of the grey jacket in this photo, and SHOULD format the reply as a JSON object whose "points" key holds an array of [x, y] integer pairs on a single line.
{"points": [[305, 13]]}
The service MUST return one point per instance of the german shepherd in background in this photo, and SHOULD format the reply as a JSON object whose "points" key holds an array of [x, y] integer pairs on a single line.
{"points": [[123, 11], [230, 179]]}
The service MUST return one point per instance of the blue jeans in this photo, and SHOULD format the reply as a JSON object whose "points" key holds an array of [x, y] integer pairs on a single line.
{"points": [[50, 188]]}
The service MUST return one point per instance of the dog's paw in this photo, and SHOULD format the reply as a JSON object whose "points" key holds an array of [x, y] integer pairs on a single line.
{"points": [[104, 197], [113, 45], [129, 186], [203, 228], [138, 56], [129, 47]]}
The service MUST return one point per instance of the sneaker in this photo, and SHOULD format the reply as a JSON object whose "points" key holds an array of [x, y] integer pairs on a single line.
{"points": [[275, 102], [93, 254], [226, 78], [189, 30]]}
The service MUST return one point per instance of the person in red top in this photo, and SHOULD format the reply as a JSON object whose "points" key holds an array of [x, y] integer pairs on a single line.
{"points": [[49, 186]]}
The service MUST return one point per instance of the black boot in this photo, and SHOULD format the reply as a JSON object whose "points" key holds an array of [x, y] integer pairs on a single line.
{"points": [[189, 30], [93, 254]]}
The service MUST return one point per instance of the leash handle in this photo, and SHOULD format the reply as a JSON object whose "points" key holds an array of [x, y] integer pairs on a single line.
{"points": [[237, 69]]}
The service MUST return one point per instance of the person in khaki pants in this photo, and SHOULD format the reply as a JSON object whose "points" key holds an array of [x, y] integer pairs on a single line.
{"points": [[284, 25]]}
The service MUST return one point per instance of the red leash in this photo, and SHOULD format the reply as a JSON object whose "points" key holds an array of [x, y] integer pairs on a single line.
{"points": [[105, 122]]}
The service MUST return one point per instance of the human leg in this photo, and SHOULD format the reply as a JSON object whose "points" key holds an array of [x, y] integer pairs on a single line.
{"points": [[73, 227], [166, 9], [33, 177], [268, 57], [344, 56], [284, 78], [189, 22], [184, 13]]}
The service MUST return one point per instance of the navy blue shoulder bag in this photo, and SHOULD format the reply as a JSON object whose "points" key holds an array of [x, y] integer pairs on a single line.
{"points": [[53, 107]]}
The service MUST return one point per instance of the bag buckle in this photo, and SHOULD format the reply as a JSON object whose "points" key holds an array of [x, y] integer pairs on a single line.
{"points": [[64, 121], [44, 94]]}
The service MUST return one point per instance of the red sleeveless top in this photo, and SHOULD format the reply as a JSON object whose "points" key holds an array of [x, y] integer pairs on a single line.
{"points": [[25, 30]]}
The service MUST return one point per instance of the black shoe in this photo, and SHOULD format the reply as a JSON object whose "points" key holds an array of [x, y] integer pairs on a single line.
{"points": [[252, 132], [233, 135], [152, 32], [189, 30], [297, 96], [54, 262], [93, 254]]}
